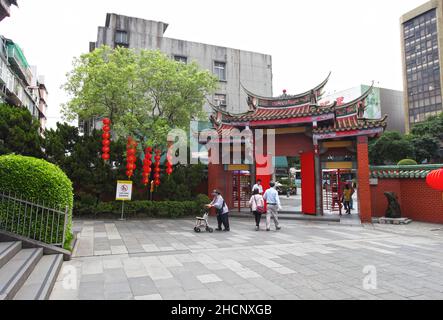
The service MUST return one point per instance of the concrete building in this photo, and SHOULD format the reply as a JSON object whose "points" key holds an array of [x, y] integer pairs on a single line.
{"points": [[233, 67], [380, 102], [19, 84], [5, 8], [422, 54]]}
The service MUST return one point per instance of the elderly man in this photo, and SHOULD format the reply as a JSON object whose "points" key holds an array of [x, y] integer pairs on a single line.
{"points": [[273, 203]]}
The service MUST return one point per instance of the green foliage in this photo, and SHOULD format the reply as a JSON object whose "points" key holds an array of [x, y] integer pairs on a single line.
{"points": [[38, 181], [407, 162], [433, 127], [426, 147], [19, 132], [182, 183], [144, 93], [147, 209], [390, 148], [79, 157]]}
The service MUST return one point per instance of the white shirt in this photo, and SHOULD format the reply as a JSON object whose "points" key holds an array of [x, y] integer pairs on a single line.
{"points": [[271, 196], [218, 203], [256, 200], [259, 187]]}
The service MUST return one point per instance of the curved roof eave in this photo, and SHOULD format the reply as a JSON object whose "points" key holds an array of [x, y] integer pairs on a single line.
{"points": [[319, 87]]}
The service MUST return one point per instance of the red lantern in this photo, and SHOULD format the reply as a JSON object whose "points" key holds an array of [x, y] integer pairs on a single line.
{"points": [[157, 183], [435, 179], [131, 157], [106, 136]]}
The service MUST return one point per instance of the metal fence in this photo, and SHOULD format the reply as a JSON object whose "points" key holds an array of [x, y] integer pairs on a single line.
{"points": [[34, 220]]}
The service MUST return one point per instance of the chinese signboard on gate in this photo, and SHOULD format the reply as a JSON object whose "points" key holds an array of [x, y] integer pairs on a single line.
{"points": [[124, 191]]}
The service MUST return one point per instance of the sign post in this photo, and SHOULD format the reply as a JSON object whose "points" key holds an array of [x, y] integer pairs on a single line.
{"points": [[124, 193]]}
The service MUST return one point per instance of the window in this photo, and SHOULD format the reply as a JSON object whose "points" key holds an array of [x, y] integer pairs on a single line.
{"points": [[181, 59], [220, 70], [220, 100], [121, 38]]}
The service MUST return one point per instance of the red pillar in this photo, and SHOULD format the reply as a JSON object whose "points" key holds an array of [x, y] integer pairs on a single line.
{"points": [[308, 183], [364, 192]]}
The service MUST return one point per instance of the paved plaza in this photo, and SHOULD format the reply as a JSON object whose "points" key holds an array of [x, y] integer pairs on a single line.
{"points": [[165, 259]]}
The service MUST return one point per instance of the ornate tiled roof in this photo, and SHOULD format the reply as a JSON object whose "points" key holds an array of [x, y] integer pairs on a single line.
{"points": [[352, 123], [285, 100], [403, 172], [302, 108], [278, 113]]}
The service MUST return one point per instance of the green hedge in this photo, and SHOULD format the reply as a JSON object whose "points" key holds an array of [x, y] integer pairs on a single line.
{"points": [[142, 209], [407, 162], [37, 181]]}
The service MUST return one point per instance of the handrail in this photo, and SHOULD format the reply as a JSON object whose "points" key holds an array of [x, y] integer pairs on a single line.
{"points": [[35, 221]]}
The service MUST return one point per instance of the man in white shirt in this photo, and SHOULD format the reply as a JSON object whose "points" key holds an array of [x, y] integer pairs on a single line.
{"points": [[258, 186], [273, 204]]}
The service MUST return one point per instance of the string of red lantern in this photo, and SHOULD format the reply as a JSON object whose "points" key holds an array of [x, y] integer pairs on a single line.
{"points": [[157, 168], [169, 162], [106, 139], [131, 152], [147, 163]]}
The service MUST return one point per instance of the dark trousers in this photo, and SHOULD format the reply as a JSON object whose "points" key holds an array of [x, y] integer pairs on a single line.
{"points": [[348, 207], [223, 219], [257, 218]]}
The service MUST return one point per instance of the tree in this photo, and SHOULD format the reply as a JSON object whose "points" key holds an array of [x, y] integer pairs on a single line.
{"points": [[426, 147], [19, 132], [433, 126], [144, 93], [79, 157], [390, 148]]}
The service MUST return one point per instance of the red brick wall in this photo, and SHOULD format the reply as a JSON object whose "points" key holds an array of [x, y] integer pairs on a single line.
{"points": [[364, 193], [379, 202], [418, 202]]}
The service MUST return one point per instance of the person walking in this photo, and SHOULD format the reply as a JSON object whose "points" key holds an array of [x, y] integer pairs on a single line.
{"points": [[347, 196], [222, 211], [273, 202], [258, 186], [257, 204]]}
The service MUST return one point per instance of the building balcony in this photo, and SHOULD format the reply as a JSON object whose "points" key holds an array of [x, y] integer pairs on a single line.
{"points": [[18, 63]]}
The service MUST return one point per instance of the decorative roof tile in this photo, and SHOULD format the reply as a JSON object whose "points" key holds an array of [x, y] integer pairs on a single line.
{"points": [[403, 172]]}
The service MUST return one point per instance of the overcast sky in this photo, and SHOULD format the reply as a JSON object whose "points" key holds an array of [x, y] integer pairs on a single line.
{"points": [[359, 41]]}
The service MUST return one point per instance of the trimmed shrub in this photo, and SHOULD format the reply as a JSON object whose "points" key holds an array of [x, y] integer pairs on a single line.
{"points": [[40, 182], [142, 209], [407, 162]]}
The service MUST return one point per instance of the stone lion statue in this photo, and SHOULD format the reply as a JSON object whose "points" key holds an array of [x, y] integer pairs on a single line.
{"points": [[394, 210]]}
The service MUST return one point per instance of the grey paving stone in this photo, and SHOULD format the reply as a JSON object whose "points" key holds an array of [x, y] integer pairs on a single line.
{"points": [[116, 287], [114, 275], [328, 261], [142, 286]]}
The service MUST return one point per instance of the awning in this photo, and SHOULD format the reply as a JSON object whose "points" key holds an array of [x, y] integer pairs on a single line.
{"points": [[281, 162]]}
